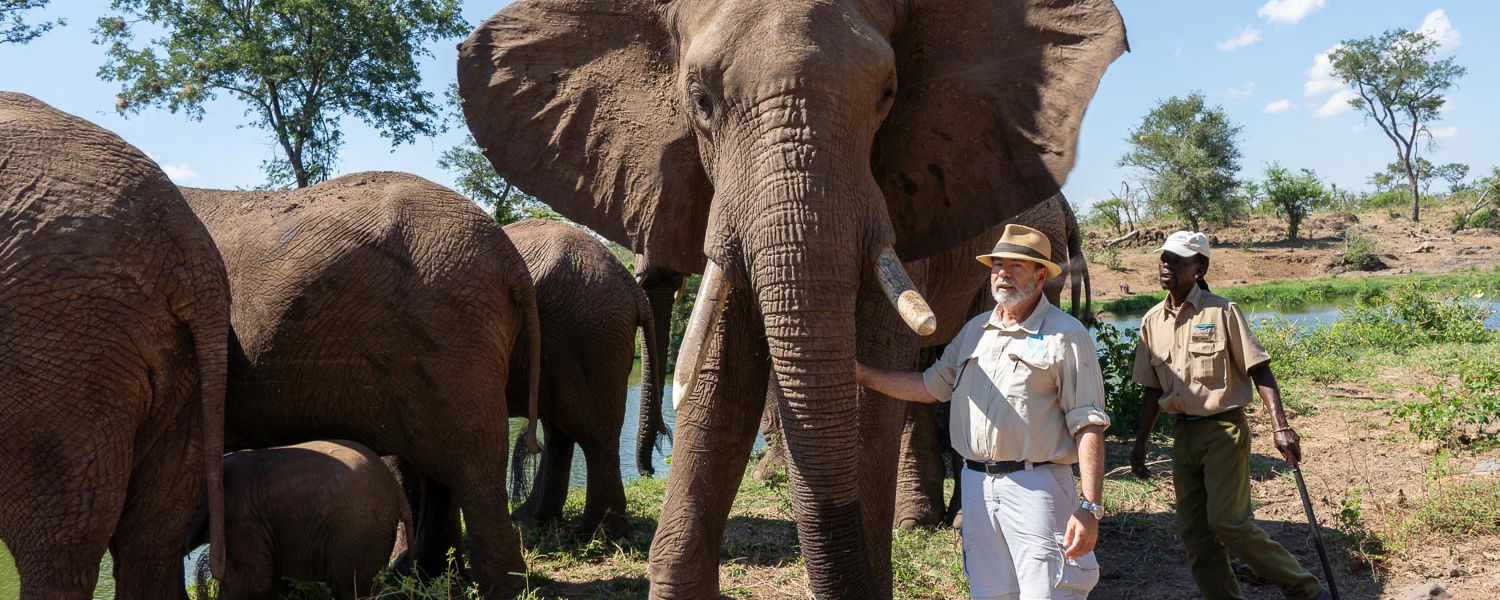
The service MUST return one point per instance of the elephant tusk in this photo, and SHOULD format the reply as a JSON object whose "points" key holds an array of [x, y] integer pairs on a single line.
{"points": [[903, 294], [712, 292]]}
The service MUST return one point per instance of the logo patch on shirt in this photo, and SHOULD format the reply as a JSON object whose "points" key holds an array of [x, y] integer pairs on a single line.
{"points": [[1203, 332]]}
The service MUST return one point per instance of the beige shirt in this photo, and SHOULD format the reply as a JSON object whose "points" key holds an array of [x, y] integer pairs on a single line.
{"points": [[1198, 354], [1020, 392]]}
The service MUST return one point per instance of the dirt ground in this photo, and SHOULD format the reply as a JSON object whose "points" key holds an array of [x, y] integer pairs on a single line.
{"points": [[1255, 250]]}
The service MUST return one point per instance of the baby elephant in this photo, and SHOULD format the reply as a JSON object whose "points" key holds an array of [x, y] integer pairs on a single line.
{"points": [[320, 511]]}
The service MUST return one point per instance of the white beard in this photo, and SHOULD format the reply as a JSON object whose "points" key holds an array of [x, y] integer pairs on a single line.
{"points": [[1016, 296]]}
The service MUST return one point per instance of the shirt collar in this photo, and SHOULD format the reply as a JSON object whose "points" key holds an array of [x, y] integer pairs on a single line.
{"points": [[1031, 324], [1194, 297]]}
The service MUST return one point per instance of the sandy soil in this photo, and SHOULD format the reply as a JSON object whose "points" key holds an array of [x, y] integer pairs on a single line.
{"points": [[1255, 250]]}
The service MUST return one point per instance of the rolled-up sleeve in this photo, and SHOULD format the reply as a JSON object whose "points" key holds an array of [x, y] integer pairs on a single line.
{"points": [[939, 378], [1081, 383]]}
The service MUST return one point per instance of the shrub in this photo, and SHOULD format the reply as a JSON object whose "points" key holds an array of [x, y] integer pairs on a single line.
{"points": [[1124, 398], [1475, 400], [1357, 252]]}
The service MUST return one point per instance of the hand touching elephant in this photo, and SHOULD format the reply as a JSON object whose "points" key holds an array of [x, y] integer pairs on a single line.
{"points": [[384, 309], [322, 511], [590, 307], [114, 320], [800, 147]]}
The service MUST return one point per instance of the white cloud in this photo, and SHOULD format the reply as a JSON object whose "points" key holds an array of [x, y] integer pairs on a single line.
{"points": [[1445, 133], [177, 173], [1337, 104], [1436, 26], [1178, 52], [1358, 127], [1288, 11], [1278, 106], [1320, 77], [1248, 35], [1234, 94]]}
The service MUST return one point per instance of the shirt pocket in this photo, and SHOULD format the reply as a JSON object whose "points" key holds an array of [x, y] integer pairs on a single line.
{"points": [[1208, 361], [1029, 372]]}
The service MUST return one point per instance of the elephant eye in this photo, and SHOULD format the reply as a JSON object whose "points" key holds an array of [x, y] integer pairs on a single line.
{"points": [[703, 104]]}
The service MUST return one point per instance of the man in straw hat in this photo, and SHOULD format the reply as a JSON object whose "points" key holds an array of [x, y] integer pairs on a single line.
{"points": [[1028, 403]]}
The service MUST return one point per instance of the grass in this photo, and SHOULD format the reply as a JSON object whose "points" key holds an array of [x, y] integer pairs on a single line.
{"points": [[1290, 295]]}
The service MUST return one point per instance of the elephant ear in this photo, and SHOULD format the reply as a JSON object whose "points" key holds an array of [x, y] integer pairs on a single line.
{"points": [[990, 97], [572, 101]]}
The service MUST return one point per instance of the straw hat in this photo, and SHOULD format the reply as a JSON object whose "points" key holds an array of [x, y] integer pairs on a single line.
{"points": [[1023, 243]]}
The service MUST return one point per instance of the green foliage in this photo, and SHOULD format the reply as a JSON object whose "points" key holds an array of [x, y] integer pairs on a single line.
{"points": [[14, 29], [298, 66], [1449, 511], [1124, 397], [477, 179], [1357, 251], [1188, 154], [1474, 400], [1292, 194], [1399, 82]]}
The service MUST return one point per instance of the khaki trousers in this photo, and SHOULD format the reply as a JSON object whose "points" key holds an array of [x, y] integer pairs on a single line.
{"points": [[1211, 472]]}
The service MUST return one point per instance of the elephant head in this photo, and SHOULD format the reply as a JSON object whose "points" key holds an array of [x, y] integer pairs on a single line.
{"points": [[792, 143]]}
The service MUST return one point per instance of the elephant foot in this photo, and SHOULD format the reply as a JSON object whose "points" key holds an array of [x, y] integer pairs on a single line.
{"points": [[957, 520]]}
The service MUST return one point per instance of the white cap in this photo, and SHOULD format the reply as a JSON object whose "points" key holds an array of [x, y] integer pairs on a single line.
{"points": [[1186, 243]]}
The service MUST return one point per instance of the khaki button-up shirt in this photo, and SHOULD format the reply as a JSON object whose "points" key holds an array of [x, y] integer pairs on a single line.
{"points": [[1198, 354], [1020, 392]]}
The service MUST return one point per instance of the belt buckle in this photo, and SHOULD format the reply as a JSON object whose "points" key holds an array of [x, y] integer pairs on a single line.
{"points": [[993, 467]]}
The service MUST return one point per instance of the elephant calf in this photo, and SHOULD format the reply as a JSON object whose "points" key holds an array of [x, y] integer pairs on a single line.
{"points": [[320, 511], [589, 307]]}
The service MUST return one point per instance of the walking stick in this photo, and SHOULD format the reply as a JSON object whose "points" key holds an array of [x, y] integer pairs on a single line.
{"points": [[1333, 588]]}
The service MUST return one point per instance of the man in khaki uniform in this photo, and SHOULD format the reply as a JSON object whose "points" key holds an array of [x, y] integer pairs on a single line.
{"points": [[1028, 403], [1199, 361]]}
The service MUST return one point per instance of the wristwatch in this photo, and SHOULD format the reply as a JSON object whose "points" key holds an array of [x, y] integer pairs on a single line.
{"points": [[1095, 509]]}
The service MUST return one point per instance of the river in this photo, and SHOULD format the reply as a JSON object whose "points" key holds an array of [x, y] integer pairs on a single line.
{"points": [[1307, 316]]}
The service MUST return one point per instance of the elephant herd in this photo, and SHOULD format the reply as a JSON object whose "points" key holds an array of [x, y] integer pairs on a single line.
{"points": [[830, 166]]}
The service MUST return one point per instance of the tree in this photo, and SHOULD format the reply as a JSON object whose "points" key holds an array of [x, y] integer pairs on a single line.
{"points": [[1292, 194], [1399, 82], [1454, 174], [14, 29], [298, 65], [478, 180], [1189, 156]]}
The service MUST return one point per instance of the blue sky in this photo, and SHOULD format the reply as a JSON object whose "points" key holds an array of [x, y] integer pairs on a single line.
{"points": [[1255, 58]]}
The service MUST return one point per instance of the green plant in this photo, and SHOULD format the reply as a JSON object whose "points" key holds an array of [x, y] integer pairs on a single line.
{"points": [[1356, 253], [1124, 398], [1475, 400], [1350, 522]]}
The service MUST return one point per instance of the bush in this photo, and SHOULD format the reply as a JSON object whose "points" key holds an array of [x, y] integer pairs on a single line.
{"points": [[1474, 401], [1358, 252], [1124, 398]]}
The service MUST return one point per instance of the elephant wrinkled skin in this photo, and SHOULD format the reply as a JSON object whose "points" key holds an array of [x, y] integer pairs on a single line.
{"points": [[590, 307], [114, 324], [792, 143], [323, 511], [381, 308]]}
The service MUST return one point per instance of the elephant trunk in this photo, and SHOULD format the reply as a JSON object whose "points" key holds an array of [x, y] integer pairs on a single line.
{"points": [[651, 423], [805, 268]]}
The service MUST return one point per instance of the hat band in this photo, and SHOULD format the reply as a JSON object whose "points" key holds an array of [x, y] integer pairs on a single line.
{"points": [[1019, 249]]}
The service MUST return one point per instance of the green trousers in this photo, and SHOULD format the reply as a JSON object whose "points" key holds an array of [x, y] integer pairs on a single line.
{"points": [[1211, 472]]}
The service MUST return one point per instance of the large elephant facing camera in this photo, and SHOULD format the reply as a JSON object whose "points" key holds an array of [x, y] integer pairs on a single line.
{"points": [[804, 148]]}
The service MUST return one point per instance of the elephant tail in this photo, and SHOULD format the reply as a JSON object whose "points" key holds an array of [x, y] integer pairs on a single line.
{"points": [[651, 423], [1078, 268], [212, 341], [524, 456]]}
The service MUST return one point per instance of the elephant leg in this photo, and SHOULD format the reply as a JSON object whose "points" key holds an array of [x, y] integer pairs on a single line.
{"points": [[431, 506], [56, 518], [494, 546], [550, 492], [164, 491], [954, 516], [920, 472], [604, 505], [774, 458], [714, 433], [250, 572]]}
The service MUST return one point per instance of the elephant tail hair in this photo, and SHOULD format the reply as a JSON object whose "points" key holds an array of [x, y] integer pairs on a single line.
{"points": [[652, 432], [523, 468], [1078, 268]]}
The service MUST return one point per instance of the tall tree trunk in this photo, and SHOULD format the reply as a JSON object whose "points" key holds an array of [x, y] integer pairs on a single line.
{"points": [[1411, 179]]}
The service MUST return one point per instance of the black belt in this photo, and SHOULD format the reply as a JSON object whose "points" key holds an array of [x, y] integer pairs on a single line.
{"points": [[1223, 416], [1000, 467]]}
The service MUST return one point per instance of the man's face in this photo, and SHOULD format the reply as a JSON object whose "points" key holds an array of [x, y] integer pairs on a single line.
{"points": [[1013, 282], [1174, 270]]}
